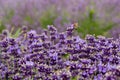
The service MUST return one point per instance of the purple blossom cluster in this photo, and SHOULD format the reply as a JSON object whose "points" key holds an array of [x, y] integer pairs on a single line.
{"points": [[59, 56]]}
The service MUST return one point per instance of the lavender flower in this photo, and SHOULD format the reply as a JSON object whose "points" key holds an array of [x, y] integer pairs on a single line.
{"points": [[66, 57]]}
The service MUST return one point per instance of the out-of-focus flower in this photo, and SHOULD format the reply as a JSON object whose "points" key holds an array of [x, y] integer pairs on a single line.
{"points": [[40, 13]]}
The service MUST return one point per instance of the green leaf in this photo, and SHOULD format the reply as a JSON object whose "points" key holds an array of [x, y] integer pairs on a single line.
{"points": [[47, 18], [29, 19], [108, 27], [2, 26], [66, 55], [74, 78], [91, 14], [91, 25], [17, 33]]}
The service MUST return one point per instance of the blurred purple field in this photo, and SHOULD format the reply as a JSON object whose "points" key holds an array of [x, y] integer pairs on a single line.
{"points": [[37, 14]]}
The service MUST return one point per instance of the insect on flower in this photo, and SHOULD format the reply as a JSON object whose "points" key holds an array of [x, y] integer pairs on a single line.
{"points": [[75, 25]]}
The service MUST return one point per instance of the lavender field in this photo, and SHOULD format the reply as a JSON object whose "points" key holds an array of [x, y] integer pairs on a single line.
{"points": [[59, 39]]}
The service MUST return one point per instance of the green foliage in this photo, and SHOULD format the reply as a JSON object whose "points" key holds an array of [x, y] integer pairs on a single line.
{"points": [[90, 25], [2, 26], [29, 19], [74, 78], [16, 34], [8, 16], [47, 18], [66, 55]]}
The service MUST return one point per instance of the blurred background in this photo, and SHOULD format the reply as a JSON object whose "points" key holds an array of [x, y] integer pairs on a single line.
{"points": [[99, 17]]}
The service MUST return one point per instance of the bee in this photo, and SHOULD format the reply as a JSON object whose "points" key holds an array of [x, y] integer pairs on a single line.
{"points": [[75, 25]]}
